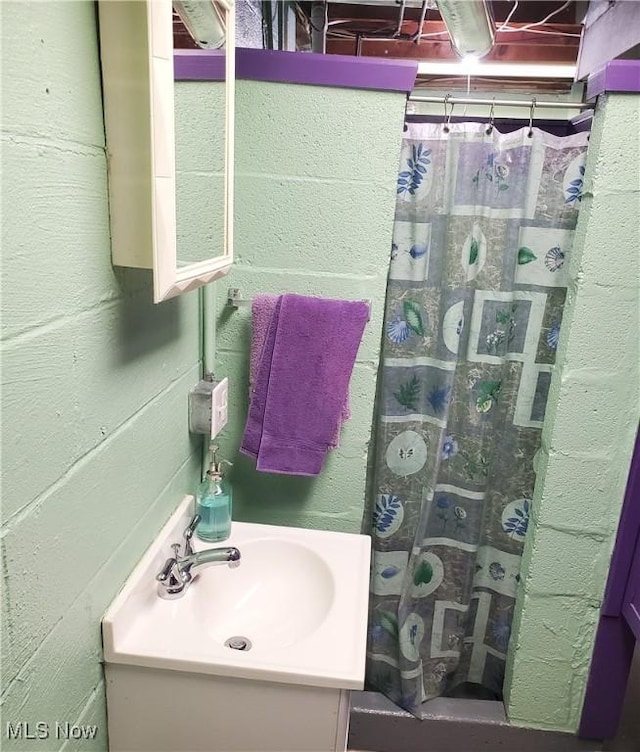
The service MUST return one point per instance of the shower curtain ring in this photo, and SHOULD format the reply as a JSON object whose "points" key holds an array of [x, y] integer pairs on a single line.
{"points": [[447, 120], [490, 126], [531, 113]]}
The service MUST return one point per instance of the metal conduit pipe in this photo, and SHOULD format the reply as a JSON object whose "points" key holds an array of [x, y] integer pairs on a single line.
{"points": [[423, 15], [400, 18], [319, 25], [470, 26]]}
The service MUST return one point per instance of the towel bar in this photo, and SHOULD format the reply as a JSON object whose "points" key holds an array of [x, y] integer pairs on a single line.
{"points": [[235, 300]]}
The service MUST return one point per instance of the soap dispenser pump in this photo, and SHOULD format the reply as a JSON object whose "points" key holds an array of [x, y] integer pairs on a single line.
{"points": [[214, 501]]}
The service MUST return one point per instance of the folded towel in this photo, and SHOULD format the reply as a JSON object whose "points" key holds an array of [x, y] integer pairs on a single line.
{"points": [[301, 382], [255, 419], [262, 308]]}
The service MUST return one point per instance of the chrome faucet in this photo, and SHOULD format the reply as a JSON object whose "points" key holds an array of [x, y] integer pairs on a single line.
{"points": [[175, 576]]}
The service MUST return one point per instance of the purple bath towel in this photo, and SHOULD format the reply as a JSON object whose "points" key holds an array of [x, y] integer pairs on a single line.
{"points": [[262, 308], [301, 382]]}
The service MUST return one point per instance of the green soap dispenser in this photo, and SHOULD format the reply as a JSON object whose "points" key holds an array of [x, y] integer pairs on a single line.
{"points": [[213, 502]]}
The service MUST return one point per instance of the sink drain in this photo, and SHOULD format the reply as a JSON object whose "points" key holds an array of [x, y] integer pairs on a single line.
{"points": [[238, 643]]}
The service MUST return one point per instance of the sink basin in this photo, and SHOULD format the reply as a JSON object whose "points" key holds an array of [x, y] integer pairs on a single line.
{"points": [[280, 594], [299, 600]]}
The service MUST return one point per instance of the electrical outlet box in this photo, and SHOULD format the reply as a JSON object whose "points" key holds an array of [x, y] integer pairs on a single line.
{"points": [[219, 407], [208, 404]]}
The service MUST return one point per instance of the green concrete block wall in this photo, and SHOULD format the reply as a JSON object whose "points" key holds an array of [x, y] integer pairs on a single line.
{"points": [[200, 150], [95, 445], [590, 426], [96, 451], [315, 197]]}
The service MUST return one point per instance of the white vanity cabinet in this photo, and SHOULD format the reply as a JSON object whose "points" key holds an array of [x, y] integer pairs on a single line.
{"points": [[136, 50], [261, 656], [158, 710]]}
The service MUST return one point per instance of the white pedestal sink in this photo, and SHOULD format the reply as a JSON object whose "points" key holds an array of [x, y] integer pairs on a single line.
{"points": [[299, 598]]}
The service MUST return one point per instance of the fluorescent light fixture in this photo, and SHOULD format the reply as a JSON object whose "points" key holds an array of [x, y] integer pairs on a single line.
{"points": [[469, 25], [469, 63], [499, 70], [203, 21], [408, 3]]}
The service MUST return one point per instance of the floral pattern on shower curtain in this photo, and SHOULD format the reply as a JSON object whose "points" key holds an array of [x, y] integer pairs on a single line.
{"points": [[483, 231]]}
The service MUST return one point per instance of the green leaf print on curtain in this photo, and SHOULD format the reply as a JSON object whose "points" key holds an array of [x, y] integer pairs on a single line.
{"points": [[475, 295]]}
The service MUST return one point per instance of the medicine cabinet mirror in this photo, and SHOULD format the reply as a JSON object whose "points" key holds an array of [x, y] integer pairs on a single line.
{"points": [[170, 194]]}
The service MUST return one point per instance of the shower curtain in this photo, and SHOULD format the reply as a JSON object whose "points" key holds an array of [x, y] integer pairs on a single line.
{"points": [[483, 227]]}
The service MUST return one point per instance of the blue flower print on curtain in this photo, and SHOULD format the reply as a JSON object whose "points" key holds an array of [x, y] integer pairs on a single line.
{"points": [[449, 448], [387, 514], [410, 178], [493, 172], [574, 191]]}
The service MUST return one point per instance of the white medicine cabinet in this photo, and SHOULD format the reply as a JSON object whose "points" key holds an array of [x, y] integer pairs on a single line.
{"points": [[136, 40]]}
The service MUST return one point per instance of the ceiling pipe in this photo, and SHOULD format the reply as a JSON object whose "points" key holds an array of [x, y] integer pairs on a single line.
{"points": [[470, 26], [400, 18], [423, 14], [319, 24]]}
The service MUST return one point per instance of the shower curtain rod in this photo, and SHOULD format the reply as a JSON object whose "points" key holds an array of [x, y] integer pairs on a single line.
{"points": [[500, 102]]}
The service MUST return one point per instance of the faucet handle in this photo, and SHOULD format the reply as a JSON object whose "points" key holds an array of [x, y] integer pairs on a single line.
{"points": [[189, 531], [188, 534], [167, 571]]}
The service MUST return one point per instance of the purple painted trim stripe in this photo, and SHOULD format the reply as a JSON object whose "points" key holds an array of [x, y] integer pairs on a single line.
{"points": [[618, 75], [327, 70], [626, 540], [299, 68], [198, 65]]}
